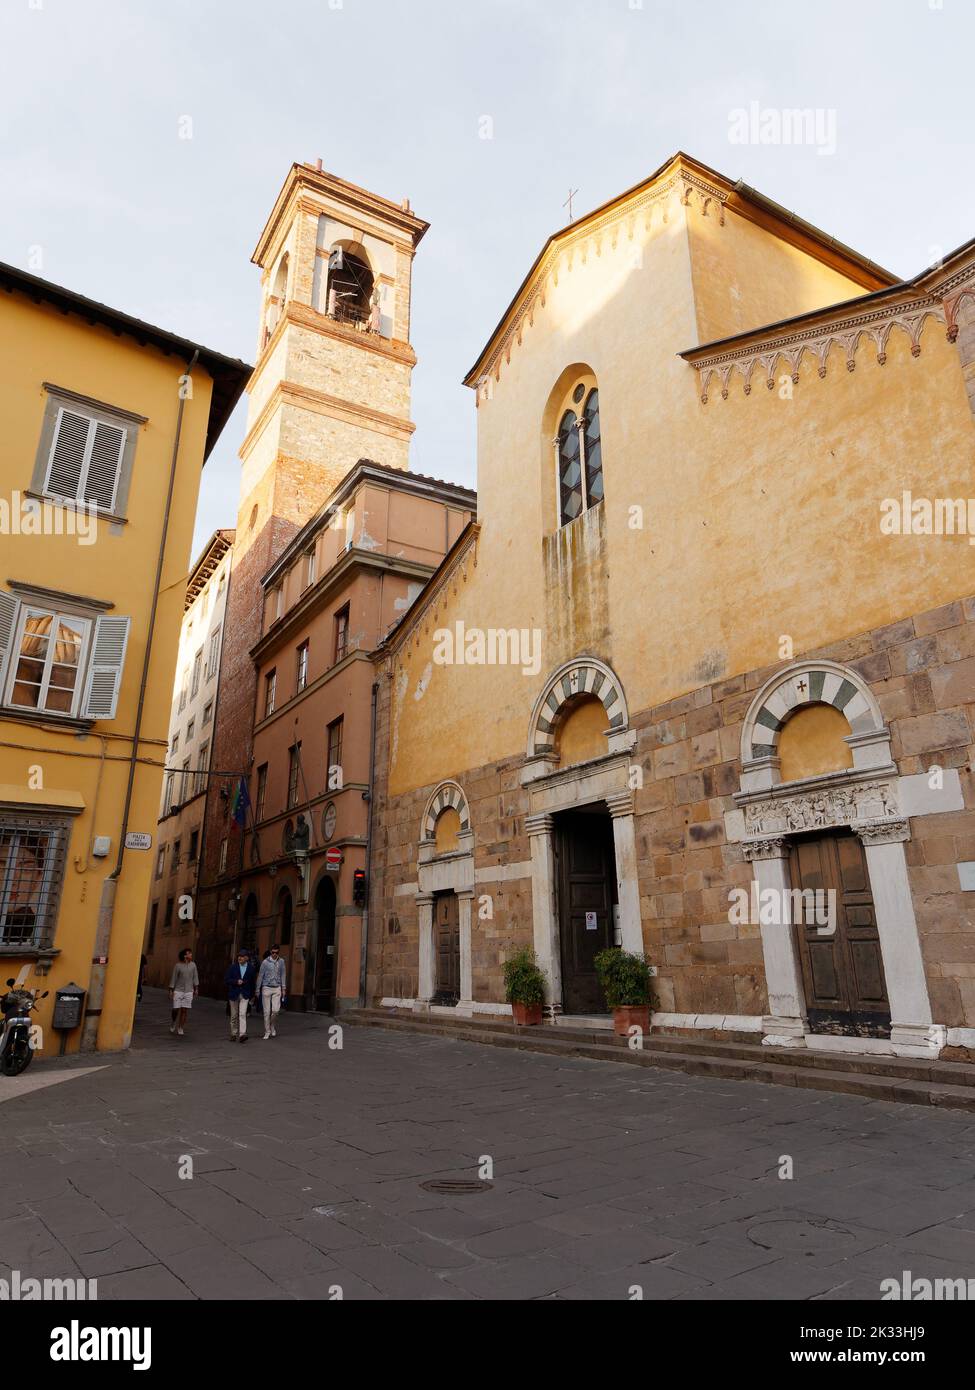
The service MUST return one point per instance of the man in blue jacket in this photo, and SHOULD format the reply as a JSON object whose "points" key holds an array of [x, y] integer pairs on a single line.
{"points": [[239, 980]]}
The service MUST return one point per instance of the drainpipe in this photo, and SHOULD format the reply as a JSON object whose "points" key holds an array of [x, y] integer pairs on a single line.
{"points": [[106, 908], [369, 797]]}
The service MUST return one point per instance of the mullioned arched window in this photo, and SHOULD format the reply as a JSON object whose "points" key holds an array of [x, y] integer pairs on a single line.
{"points": [[579, 453]]}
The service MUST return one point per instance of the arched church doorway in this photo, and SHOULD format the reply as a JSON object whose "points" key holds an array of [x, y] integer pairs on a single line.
{"points": [[320, 975]]}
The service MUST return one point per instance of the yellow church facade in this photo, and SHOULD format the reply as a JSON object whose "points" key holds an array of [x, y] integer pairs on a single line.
{"points": [[708, 652]]}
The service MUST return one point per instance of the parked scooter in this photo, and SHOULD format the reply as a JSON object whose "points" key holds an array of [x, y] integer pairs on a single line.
{"points": [[15, 1049]]}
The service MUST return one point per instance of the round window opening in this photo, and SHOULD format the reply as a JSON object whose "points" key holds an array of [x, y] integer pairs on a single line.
{"points": [[578, 393]]}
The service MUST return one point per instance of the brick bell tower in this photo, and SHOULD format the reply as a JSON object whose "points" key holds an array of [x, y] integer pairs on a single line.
{"points": [[331, 386]]}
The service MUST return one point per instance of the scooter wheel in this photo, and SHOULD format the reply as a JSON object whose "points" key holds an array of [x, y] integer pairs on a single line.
{"points": [[17, 1058]]}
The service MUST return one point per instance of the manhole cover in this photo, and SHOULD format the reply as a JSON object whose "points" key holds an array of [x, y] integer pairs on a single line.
{"points": [[800, 1235], [455, 1187]]}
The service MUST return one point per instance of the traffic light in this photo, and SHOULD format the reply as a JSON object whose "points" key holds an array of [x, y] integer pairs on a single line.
{"points": [[359, 887]]}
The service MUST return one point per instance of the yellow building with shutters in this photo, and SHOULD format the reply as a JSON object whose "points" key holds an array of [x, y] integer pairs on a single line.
{"points": [[108, 421]]}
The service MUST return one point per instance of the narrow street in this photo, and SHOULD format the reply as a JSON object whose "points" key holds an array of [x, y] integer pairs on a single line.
{"points": [[606, 1182]]}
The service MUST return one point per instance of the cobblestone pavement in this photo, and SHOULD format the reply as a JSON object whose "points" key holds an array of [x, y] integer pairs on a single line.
{"points": [[308, 1165]]}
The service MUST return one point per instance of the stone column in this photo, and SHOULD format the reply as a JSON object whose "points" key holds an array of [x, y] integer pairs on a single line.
{"points": [[545, 925], [912, 1033], [627, 877], [465, 1006], [785, 1025], [427, 980]]}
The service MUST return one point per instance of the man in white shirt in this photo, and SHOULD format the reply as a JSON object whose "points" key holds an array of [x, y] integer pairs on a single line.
{"points": [[271, 989]]}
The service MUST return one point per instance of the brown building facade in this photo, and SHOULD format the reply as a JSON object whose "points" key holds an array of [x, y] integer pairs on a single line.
{"points": [[344, 581]]}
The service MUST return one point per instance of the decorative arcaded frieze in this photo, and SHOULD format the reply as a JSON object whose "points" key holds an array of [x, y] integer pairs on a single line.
{"points": [[592, 238], [872, 326], [849, 335], [955, 290]]}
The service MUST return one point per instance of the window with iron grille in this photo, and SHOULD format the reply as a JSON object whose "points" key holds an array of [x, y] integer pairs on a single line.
{"points": [[32, 859]]}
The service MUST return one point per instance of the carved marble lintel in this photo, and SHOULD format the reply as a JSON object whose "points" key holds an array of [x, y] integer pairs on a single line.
{"points": [[819, 810]]}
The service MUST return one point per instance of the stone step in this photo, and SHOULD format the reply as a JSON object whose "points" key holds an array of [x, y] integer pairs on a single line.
{"points": [[949, 1084], [901, 1068]]}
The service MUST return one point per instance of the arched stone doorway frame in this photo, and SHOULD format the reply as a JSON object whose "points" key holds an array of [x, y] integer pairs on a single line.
{"points": [[448, 872], [551, 789], [867, 798]]}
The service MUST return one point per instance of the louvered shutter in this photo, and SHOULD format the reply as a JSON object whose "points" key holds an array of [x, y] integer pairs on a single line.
{"points": [[68, 454], [105, 668], [8, 621], [86, 459], [104, 466]]}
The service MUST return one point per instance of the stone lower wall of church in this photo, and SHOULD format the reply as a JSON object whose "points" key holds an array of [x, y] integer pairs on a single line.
{"points": [[922, 671]]}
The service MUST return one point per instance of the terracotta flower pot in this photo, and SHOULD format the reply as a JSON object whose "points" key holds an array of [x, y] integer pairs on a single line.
{"points": [[527, 1014], [627, 1016]]}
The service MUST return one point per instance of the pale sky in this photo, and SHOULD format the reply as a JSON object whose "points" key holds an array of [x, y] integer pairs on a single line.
{"points": [[391, 94]]}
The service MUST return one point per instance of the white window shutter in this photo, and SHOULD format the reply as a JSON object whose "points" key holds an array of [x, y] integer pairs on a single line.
{"points": [[104, 466], [68, 454], [105, 668], [8, 622]]}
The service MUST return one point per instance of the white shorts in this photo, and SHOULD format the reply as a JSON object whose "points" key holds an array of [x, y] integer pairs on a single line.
{"points": [[182, 1000]]}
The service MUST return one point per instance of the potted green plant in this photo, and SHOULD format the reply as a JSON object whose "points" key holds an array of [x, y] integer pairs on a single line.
{"points": [[524, 987], [625, 980]]}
